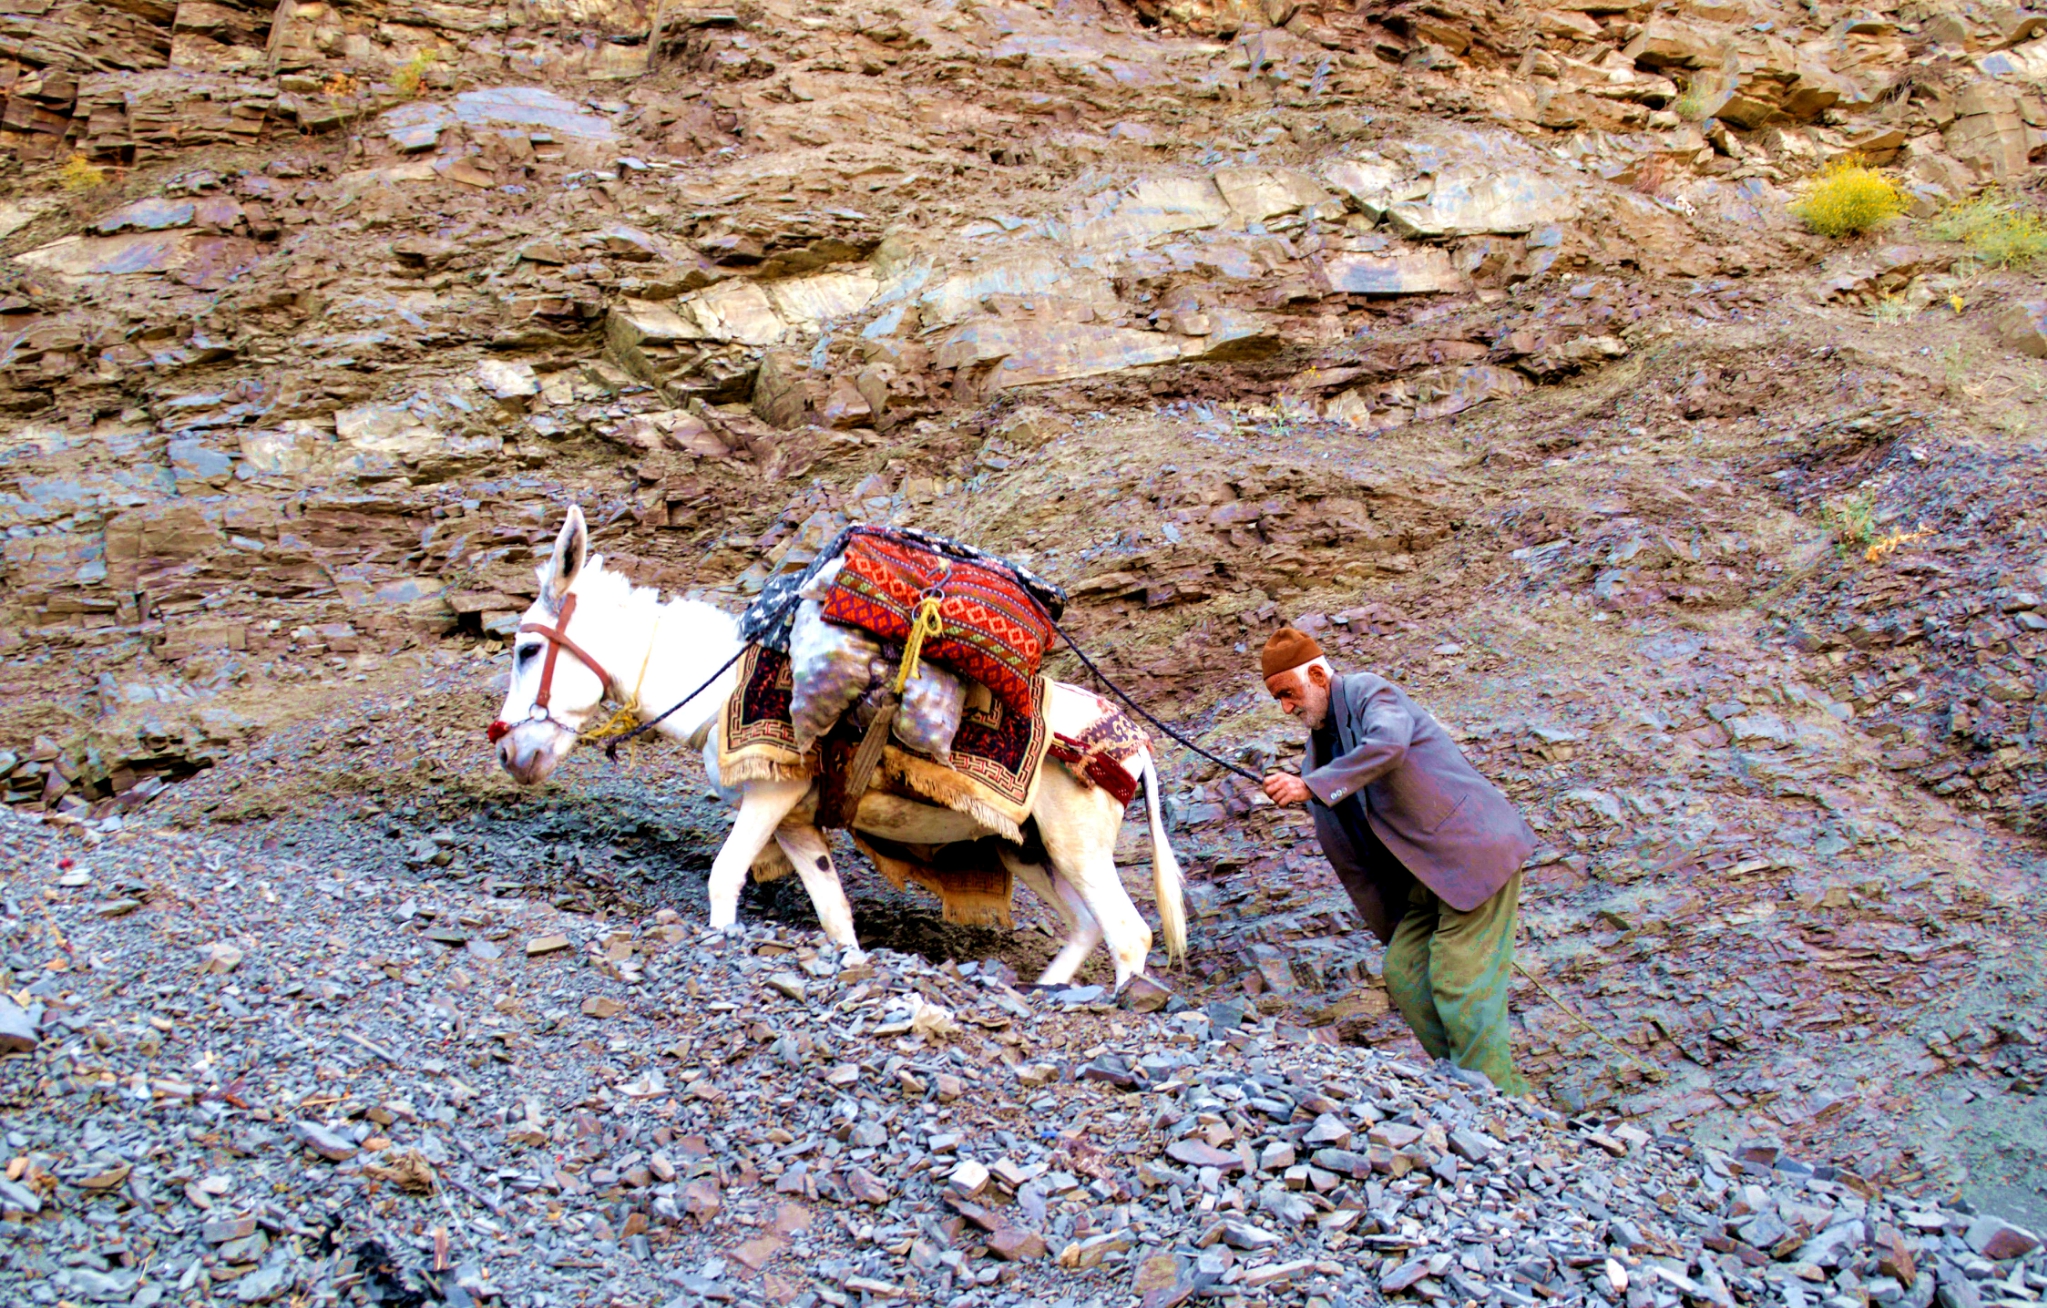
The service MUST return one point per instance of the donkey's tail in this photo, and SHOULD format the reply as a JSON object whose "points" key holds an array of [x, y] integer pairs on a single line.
{"points": [[1165, 868]]}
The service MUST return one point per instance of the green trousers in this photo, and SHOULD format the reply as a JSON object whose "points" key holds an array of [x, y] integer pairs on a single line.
{"points": [[1447, 973]]}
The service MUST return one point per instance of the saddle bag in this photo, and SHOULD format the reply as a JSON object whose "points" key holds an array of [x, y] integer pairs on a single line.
{"points": [[830, 668], [994, 632], [929, 716], [834, 669]]}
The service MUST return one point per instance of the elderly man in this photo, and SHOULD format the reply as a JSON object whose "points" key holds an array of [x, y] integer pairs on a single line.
{"points": [[1429, 850]]}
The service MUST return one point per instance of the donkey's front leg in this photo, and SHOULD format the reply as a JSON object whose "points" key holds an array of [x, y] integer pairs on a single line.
{"points": [[805, 845], [762, 806]]}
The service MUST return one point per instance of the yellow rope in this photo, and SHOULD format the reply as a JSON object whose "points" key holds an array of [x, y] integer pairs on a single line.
{"points": [[621, 721], [926, 625], [1652, 1073], [627, 715]]}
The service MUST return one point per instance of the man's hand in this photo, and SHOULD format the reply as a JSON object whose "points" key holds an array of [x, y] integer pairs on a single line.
{"points": [[1286, 789]]}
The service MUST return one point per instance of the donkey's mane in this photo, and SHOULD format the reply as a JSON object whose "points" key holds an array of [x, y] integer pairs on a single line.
{"points": [[599, 585]]}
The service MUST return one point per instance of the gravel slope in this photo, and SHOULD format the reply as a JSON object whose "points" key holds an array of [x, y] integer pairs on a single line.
{"points": [[240, 1077]]}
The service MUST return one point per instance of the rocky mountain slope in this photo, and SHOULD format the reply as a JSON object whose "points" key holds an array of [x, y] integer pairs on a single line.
{"points": [[1475, 337]]}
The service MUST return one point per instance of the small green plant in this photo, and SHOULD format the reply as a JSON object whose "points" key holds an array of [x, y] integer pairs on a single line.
{"points": [[1856, 531], [1847, 198], [1852, 519], [81, 174], [1894, 310], [1287, 415], [2000, 230], [412, 73], [1954, 369], [1691, 106]]}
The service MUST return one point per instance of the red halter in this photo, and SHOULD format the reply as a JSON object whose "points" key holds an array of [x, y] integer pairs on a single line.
{"points": [[557, 640]]}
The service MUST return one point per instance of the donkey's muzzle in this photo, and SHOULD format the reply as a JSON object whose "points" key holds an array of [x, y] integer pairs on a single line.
{"points": [[528, 751]]}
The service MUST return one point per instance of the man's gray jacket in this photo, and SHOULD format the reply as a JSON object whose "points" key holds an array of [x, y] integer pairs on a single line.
{"points": [[1447, 825]]}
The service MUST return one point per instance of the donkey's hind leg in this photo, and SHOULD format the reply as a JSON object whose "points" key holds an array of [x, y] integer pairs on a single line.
{"points": [[762, 807], [1079, 825], [805, 845], [1082, 932]]}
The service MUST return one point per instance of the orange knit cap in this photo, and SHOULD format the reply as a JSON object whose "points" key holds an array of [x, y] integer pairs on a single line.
{"points": [[1288, 649]]}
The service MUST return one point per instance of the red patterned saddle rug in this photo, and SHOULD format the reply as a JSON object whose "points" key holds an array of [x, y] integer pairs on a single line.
{"points": [[995, 633], [1106, 752]]}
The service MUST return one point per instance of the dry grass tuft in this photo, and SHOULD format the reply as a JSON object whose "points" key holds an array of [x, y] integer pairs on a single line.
{"points": [[2000, 230], [411, 75], [1847, 198], [81, 174]]}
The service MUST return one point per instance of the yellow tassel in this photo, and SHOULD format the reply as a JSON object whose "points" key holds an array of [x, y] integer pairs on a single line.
{"points": [[927, 625], [627, 715], [620, 722]]}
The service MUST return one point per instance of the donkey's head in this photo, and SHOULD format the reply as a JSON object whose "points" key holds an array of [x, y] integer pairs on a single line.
{"points": [[556, 681]]}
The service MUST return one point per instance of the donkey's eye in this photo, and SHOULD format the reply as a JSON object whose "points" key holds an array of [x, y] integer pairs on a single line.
{"points": [[525, 654]]}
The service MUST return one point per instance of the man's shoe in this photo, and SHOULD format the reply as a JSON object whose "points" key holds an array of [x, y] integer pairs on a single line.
{"points": [[1475, 1079]]}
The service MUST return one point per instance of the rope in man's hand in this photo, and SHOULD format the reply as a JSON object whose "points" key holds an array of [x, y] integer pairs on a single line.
{"points": [[1138, 709]]}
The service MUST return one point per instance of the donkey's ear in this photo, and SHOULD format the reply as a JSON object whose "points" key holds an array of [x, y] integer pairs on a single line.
{"points": [[571, 551]]}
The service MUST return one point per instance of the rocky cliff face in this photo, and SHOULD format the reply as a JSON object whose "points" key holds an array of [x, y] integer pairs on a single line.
{"points": [[1475, 336]]}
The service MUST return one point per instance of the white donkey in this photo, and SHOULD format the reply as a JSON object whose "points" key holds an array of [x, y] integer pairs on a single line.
{"points": [[626, 642]]}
